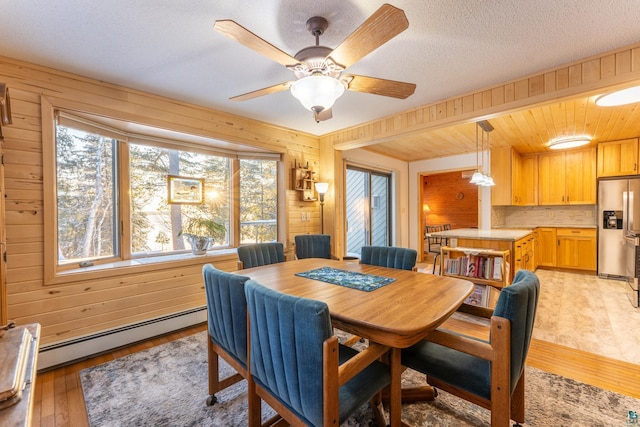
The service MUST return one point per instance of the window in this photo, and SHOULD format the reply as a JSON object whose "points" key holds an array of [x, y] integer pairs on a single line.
{"points": [[156, 225], [258, 201], [86, 188], [111, 194]]}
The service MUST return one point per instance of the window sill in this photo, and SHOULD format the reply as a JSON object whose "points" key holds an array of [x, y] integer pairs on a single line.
{"points": [[139, 265]]}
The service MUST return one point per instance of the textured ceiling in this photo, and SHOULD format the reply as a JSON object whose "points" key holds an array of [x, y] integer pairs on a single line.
{"points": [[169, 47]]}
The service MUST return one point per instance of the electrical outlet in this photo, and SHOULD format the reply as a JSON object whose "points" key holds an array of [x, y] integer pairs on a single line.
{"points": [[302, 217]]}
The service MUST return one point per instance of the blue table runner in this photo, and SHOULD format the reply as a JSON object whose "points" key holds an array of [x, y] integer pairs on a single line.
{"points": [[346, 278]]}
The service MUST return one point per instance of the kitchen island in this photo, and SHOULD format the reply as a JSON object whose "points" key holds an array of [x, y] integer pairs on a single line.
{"points": [[519, 242]]}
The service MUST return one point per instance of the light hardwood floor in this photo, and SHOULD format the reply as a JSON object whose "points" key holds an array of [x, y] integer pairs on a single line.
{"points": [[59, 400]]}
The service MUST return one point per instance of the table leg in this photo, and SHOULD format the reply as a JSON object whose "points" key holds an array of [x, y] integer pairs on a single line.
{"points": [[395, 398]]}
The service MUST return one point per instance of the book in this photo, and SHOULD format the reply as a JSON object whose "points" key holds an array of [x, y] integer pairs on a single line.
{"points": [[479, 296], [497, 268]]}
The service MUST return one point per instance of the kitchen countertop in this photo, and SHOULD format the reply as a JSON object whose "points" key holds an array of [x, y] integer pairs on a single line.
{"points": [[509, 234]]}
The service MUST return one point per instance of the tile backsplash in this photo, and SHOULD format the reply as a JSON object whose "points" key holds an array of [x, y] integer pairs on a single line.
{"points": [[544, 216]]}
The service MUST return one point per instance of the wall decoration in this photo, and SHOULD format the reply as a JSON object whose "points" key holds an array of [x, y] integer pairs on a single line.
{"points": [[183, 190]]}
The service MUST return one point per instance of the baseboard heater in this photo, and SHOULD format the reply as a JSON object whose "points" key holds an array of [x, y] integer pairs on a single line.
{"points": [[64, 352]]}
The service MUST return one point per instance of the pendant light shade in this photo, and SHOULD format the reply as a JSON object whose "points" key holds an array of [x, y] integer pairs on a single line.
{"points": [[317, 92], [478, 177]]}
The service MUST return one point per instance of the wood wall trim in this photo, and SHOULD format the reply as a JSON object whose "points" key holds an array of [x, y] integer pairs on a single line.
{"points": [[590, 75]]}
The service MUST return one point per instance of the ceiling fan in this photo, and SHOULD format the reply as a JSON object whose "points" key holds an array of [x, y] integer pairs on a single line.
{"points": [[319, 69]]}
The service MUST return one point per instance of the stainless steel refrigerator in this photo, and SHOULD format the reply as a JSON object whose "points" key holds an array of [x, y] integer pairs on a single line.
{"points": [[618, 217], [619, 231]]}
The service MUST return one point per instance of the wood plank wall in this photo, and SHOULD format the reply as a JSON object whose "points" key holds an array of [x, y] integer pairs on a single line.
{"points": [[442, 193], [616, 67], [71, 310]]}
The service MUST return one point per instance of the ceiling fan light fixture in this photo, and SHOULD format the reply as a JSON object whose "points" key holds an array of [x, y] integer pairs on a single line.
{"points": [[317, 92], [620, 97], [565, 142]]}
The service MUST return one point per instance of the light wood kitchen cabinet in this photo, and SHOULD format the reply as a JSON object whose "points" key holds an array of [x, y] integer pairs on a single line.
{"points": [[576, 248], [567, 177], [528, 182], [516, 178], [546, 253], [524, 253], [617, 158]]}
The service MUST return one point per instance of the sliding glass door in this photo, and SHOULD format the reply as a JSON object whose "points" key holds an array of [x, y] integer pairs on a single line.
{"points": [[368, 210]]}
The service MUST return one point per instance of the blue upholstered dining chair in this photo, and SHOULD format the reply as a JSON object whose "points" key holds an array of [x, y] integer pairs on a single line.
{"points": [[389, 256], [227, 326], [489, 374], [294, 360], [313, 246], [260, 254]]}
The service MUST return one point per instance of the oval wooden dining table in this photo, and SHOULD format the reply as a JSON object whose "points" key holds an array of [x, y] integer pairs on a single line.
{"points": [[396, 315]]}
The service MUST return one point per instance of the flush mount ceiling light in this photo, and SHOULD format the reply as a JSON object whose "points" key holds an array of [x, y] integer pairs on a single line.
{"points": [[620, 97], [564, 142]]}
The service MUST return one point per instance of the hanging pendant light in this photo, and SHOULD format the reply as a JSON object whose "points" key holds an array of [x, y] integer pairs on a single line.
{"points": [[478, 177]]}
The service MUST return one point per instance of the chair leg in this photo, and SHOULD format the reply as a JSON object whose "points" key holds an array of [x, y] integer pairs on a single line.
{"points": [[212, 358], [435, 262], [254, 404], [517, 401], [378, 410]]}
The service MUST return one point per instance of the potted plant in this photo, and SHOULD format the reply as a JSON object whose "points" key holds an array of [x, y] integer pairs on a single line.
{"points": [[201, 232]]}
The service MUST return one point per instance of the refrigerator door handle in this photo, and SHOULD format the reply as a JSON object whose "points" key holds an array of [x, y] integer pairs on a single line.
{"points": [[625, 212], [630, 210]]}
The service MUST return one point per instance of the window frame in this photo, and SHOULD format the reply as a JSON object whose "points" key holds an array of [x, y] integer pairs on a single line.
{"points": [[126, 263]]}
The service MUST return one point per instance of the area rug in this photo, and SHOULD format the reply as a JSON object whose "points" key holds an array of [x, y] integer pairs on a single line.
{"points": [[167, 386]]}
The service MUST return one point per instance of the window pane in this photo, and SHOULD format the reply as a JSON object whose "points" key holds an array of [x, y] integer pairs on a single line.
{"points": [[86, 203], [155, 224], [258, 201]]}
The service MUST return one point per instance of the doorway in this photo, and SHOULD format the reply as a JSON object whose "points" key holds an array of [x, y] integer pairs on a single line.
{"points": [[449, 198], [368, 210]]}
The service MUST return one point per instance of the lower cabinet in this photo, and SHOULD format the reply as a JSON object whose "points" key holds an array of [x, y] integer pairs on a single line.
{"points": [[567, 248], [576, 248], [546, 254]]}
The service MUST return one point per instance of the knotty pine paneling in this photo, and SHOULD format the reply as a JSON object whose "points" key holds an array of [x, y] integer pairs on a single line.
{"points": [[77, 308], [440, 192], [555, 95]]}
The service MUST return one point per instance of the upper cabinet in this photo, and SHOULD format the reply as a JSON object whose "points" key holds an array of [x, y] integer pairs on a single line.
{"points": [[616, 158], [516, 178], [568, 177]]}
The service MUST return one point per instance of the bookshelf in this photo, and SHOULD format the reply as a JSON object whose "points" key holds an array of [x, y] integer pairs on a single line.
{"points": [[488, 269]]}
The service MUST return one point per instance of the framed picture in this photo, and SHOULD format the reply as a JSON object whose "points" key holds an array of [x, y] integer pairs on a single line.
{"points": [[183, 190]]}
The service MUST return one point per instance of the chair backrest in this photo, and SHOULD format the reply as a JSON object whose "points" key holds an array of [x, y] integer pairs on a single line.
{"points": [[287, 334], [434, 240], [389, 256], [261, 254], [227, 310], [519, 303], [313, 246]]}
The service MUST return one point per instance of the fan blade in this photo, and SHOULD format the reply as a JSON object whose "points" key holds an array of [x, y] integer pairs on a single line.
{"points": [[261, 92], [323, 115], [386, 23], [376, 86], [240, 34]]}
